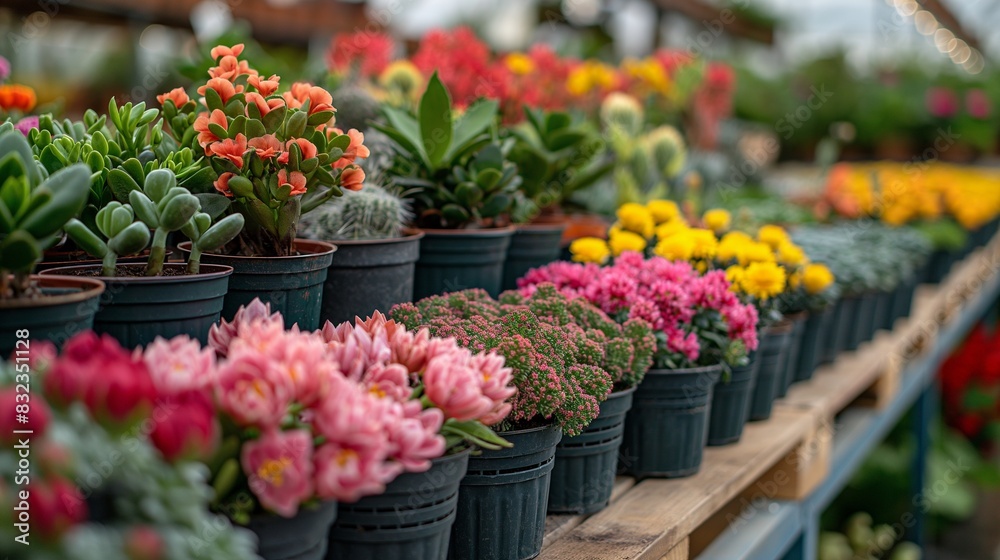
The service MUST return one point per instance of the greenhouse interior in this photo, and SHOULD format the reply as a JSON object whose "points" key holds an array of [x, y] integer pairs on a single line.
{"points": [[500, 280]]}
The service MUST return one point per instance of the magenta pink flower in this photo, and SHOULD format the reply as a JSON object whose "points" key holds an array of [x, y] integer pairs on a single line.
{"points": [[942, 102], [179, 364], [978, 104], [252, 390], [279, 467], [456, 388], [416, 439], [346, 474], [496, 385], [221, 335]]}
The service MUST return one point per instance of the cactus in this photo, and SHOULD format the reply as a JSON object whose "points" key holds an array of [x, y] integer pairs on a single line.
{"points": [[356, 108], [34, 208], [371, 213]]}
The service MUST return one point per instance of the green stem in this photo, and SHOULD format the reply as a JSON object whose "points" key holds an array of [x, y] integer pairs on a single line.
{"points": [[110, 261], [194, 260], [157, 253]]}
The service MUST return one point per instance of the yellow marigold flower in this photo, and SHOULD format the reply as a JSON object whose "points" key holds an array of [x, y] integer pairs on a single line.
{"points": [[795, 280], [734, 275], [717, 220], [763, 280], [772, 235], [589, 76], [736, 236], [519, 63], [649, 73], [636, 218], [705, 243], [590, 249], [755, 252], [791, 254], [622, 241], [678, 247], [816, 278], [666, 229], [664, 210]]}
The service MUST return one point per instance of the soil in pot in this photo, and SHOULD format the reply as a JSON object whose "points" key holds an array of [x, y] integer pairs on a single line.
{"points": [[586, 464], [65, 307], [731, 403], [303, 537], [368, 276], [503, 499], [136, 308], [453, 260], [772, 351], [411, 520], [667, 428], [292, 285], [532, 246]]}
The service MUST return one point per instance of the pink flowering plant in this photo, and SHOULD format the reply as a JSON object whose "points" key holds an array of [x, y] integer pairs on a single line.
{"points": [[697, 320], [276, 154], [334, 414], [558, 364]]}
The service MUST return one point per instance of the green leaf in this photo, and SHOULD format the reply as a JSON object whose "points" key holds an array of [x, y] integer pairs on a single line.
{"points": [[238, 126], [86, 239], [565, 138], [220, 233], [133, 167], [272, 121], [70, 188], [99, 143], [496, 205], [20, 252], [255, 128], [144, 209], [319, 118], [14, 141], [201, 182], [469, 193], [489, 178], [296, 125], [213, 100], [178, 211], [435, 121], [158, 183], [556, 121], [122, 184], [454, 214], [241, 186], [130, 240]]}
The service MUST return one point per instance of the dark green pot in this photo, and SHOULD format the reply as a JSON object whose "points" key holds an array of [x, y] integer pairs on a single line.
{"points": [[939, 265], [903, 301], [815, 333], [886, 310], [292, 285], [137, 309], [791, 357], [831, 337], [453, 260], [731, 403], [303, 537], [847, 324], [864, 321], [532, 246], [503, 498], [411, 520], [772, 351], [66, 307], [586, 464], [368, 276], [667, 428]]}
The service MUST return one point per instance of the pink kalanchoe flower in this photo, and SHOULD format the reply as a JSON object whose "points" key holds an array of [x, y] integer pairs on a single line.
{"points": [[388, 380], [179, 364], [303, 358], [456, 388], [252, 390], [279, 467], [353, 417], [220, 335], [416, 439], [496, 384], [346, 474]]}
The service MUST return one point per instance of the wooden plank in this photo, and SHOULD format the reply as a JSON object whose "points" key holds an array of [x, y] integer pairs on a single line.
{"points": [[655, 516], [558, 525], [678, 552]]}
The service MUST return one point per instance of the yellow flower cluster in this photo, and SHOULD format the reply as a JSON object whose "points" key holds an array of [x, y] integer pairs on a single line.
{"points": [[768, 265], [591, 76], [648, 76]]}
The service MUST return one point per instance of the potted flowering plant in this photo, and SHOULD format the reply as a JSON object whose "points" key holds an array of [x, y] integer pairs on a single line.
{"points": [[700, 325], [463, 186], [277, 156], [34, 207], [363, 414], [586, 464], [560, 384], [100, 485], [155, 298]]}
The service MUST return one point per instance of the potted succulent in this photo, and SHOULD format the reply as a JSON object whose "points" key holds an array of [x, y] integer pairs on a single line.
{"points": [[556, 156], [34, 207], [560, 384], [384, 433], [700, 325], [146, 300], [277, 156], [116, 474], [586, 464], [463, 186], [376, 256]]}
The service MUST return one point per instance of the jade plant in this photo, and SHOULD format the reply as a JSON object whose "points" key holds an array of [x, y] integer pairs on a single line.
{"points": [[34, 207], [163, 207], [460, 173]]}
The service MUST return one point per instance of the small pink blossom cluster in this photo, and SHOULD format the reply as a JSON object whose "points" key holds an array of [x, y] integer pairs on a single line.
{"points": [[689, 311]]}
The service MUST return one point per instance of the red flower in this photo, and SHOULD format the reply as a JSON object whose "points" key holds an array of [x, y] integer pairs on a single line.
{"points": [[56, 506], [297, 182], [352, 178], [369, 52], [185, 427], [942, 102], [230, 149], [223, 87], [267, 146], [267, 86], [38, 416], [307, 148], [205, 135], [265, 106], [463, 63], [222, 184], [144, 543]]}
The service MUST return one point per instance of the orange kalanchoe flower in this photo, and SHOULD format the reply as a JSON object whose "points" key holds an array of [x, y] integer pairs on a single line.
{"points": [[265, 106], [230, 68], [230, 149], [352, 178], [223, 50], [297, 181], [267, 146], [205, 135], [266, 87], [21, 98], [357, 149], [307, 148], [295, 97], [319, 100], [223, 87], [177, 95], [222, 184]]}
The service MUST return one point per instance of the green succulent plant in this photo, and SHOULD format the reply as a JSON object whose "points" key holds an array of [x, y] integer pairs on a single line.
{"points": [[371, 213], [458, 172], [34, 208]]}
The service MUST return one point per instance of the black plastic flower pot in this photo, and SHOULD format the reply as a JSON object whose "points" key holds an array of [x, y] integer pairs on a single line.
{"points": [[292, 285], [368, 276], [853, 327], [411, 520], [56, 259], [772, 351], [65, 307], [586, 464], [939, 265], [532, 246], [791, 358], [135, 309], [814, 334], [667, 428], [731, 403], [903, 301], [864, 321], [503, 498], [828, 346], [453, 260], [847, 323], [886, 309], [303, 537]]}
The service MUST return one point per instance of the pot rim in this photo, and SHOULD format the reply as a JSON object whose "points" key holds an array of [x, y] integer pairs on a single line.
{"points": [[529, 430], [212, 271], [530, 226], [89, 288], [408, 235], [622, 392], [482, 232], [679, 371], [326, 249]]}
